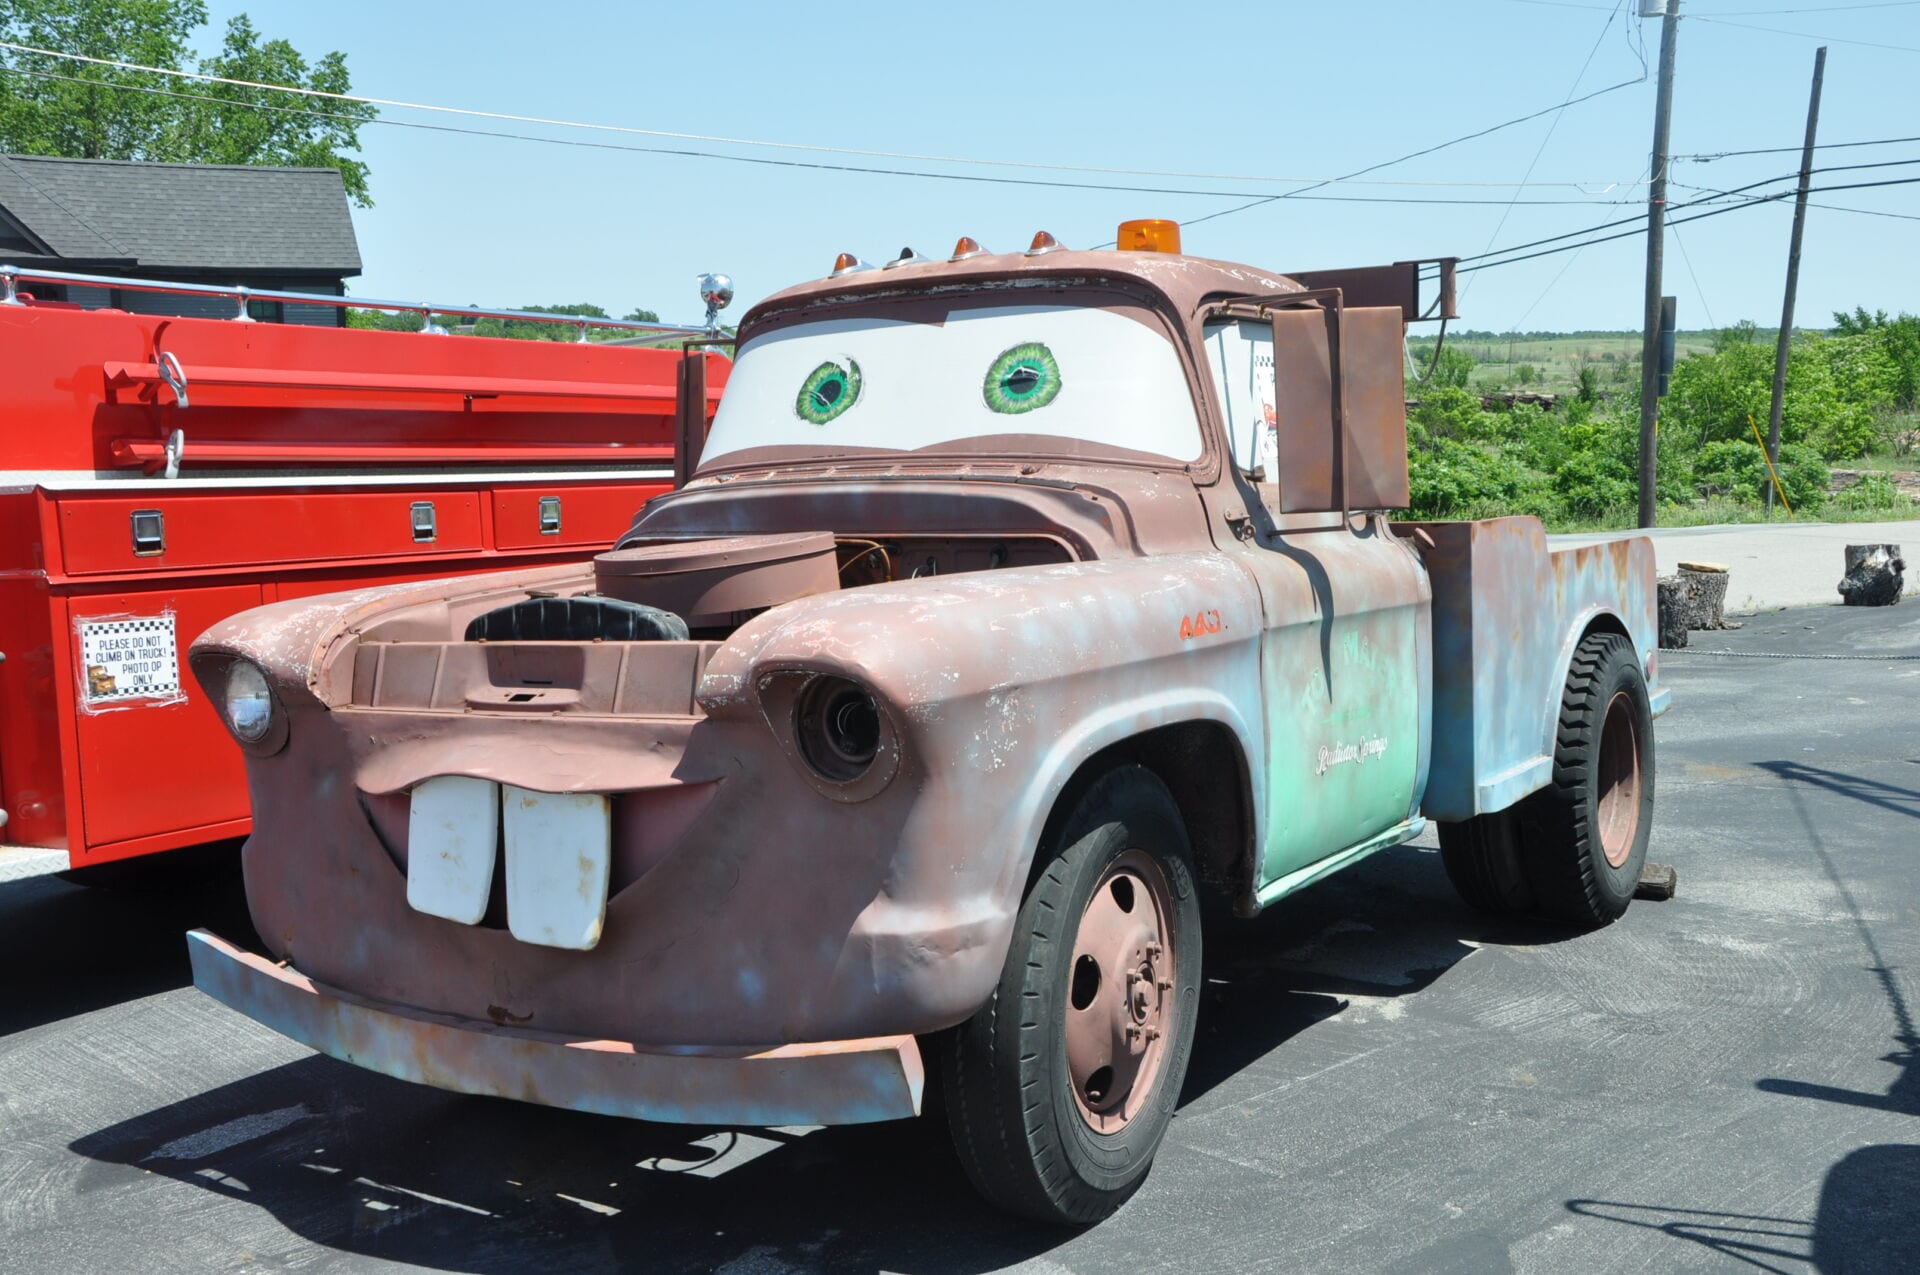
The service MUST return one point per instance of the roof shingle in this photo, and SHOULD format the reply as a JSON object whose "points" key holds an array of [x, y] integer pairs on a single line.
{"points": [[188, 217]]}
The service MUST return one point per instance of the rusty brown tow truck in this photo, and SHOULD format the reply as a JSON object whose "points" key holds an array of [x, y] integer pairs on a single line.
{"points": [[1018, 604]]}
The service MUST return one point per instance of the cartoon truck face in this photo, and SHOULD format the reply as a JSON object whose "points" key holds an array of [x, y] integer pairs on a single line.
{"points": [[1018, 603]]}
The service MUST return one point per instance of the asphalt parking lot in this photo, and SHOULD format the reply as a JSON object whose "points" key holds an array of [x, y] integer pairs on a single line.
{"points": [[1384, 1081]]}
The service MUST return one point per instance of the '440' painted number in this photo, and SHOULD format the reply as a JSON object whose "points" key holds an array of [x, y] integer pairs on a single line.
{"points": [[1199, 624]]}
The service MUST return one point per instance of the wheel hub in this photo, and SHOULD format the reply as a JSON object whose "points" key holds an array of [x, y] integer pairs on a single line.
{"points": [[1120, 993], [1617, 775]]}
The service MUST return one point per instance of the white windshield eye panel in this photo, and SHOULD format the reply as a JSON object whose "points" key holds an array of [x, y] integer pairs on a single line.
{"points": [[921, 385]]}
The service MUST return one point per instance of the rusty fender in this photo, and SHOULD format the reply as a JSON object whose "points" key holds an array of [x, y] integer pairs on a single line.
{"points": [[1507, 617], [998, 686]]}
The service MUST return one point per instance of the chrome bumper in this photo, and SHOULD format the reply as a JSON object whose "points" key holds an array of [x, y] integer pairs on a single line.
{"points": [[827, 1082]]}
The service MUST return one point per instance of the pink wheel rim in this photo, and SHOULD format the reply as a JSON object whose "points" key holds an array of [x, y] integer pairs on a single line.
{"points": [[1120, 993], [1619, 781]]}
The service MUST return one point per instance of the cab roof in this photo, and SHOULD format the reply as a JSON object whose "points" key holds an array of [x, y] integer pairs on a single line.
{"points": [[1185, 282]]}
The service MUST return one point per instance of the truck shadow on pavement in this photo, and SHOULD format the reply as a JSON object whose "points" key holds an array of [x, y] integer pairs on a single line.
{"points": [[375, 1167], [91, 948]]}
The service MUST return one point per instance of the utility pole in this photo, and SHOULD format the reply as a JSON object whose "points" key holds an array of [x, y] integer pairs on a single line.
{"points": [[1785, 344], [1656, 234]]}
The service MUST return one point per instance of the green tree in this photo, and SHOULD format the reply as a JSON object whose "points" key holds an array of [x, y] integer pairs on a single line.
{"points": [[51, 106], [1453, 367]]}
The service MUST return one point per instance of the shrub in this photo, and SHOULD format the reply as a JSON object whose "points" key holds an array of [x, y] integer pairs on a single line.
{"points": [[1804, 476], [1874, 493], [1452, 479], [1589, 387], [1453, 367], [1730, 468], [1590, 485], [1451, 412]]}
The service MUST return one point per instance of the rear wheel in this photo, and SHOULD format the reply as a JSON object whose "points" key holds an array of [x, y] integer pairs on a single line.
{"points": [[1586, 835], [1059, 1091]]}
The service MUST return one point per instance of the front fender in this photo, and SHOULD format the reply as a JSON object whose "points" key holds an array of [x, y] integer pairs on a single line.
{"points": [[1001, 685]]}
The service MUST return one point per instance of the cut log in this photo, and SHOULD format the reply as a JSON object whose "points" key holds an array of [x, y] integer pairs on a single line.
{"points": [[1876, 575], [1673, 612], [1706, 596]]}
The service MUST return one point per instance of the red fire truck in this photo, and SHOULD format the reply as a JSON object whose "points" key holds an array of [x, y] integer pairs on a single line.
{"points": [[158, 474]]}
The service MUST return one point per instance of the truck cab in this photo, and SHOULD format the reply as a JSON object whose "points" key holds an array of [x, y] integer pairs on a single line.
{"points": [[1014, 603]]}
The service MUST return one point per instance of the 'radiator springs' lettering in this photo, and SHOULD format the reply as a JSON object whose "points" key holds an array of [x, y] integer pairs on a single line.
{"points": [[1359, 753]]}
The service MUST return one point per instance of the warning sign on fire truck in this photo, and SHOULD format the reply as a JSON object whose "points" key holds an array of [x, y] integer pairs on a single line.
{"points": [[129, 658]]}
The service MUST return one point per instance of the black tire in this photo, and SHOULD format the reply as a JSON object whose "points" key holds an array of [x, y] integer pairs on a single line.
{"points": [[1482, 858], [1013, 1107], [1585, 836]]}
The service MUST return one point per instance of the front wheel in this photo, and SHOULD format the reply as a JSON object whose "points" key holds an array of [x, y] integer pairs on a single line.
{"points": [[1059, 1091]]}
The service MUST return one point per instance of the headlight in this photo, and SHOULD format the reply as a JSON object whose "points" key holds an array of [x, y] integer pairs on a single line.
{"points": [[249, 703], [837, 727]]}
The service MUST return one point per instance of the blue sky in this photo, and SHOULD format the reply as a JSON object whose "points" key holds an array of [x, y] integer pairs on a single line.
{"points": [[1251, 90]]}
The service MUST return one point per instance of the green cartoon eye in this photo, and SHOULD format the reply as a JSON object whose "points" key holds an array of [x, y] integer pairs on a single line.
{"points": [[1022, 379], [829, 390]]}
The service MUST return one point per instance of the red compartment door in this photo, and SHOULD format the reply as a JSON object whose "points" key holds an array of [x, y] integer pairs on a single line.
{"points": [[147, 767]]}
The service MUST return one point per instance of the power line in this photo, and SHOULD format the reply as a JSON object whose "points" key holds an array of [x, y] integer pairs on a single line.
{"points": [[1805, 35], [1784, 150], [1698, 291], [1718, 196], [1624, 221], [683, 152], [1753, 202], [1295, 194], [1829, 8], [711, 139], [1864, 212], [1546, 140]]}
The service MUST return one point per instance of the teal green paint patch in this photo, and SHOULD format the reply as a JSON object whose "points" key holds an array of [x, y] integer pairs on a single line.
{"points": [[1279, 889], [1344, 733]]}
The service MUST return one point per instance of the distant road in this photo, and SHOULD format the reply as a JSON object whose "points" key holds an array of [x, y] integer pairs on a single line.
{"points": [[1779, 564]]}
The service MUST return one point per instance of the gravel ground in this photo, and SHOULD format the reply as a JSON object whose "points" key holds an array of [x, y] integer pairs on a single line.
{"points": [[1384, 1081]]}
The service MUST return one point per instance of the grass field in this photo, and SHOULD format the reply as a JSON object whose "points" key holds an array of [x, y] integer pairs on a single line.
{"points": [[1555, 360]]}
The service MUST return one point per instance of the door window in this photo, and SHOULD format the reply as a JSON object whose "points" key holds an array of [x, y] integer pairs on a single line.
{"points": [[1240, 354]]}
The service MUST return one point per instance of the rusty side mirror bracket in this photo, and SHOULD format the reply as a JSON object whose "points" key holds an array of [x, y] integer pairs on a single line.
{"points": [[1313, 466]]}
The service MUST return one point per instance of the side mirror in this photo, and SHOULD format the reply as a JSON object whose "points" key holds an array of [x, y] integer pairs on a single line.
{"points": [[1340, 408]]}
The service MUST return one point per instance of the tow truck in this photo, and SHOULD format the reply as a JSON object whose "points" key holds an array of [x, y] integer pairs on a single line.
{"points": [[1018, 604], [159, 473]]}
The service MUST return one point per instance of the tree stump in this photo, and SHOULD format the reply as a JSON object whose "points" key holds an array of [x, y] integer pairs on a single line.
{"points": [[1704, 585], [1673, 612], [1875, 576]]}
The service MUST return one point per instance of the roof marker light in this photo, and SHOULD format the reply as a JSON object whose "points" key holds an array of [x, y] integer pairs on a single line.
{"points": [[967, 247], [1150, 234], [907, 257], [1044, 243], [847, 263]]}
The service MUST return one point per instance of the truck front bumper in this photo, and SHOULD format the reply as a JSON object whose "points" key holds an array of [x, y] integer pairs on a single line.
{"points": [[819, 1083]]}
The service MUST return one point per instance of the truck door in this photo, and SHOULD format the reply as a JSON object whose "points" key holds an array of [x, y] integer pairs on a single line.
{"points": [[1345, 656]]}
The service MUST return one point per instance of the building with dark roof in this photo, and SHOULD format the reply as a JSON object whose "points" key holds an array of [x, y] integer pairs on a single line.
{"points": [[279, 229]]}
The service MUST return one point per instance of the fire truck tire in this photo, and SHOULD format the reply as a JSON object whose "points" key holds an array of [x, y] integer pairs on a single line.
{"points": [[1482, 858], [1105, 957], [1584, 837]]}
